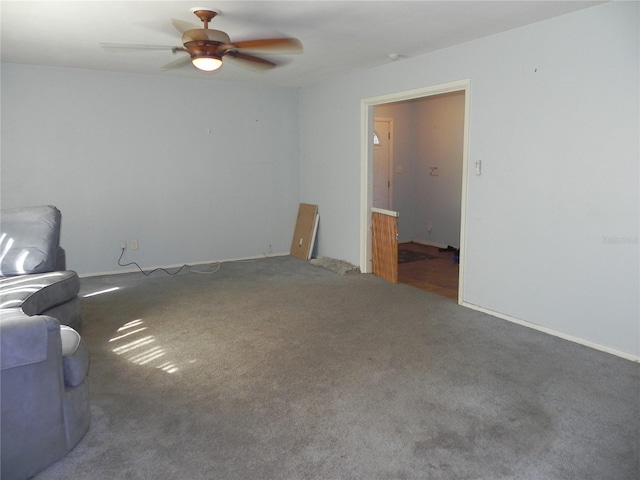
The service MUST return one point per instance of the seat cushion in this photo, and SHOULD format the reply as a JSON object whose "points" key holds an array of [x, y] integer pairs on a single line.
{"points": [[76, 366], [37, 293], [29, 240]]}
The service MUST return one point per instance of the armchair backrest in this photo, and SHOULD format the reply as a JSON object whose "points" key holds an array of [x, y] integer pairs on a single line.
{"points": [[29, 240]]}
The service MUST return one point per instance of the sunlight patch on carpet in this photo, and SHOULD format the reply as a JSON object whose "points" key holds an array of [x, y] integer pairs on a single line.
{"points": [[101, 292], [132, 349]]}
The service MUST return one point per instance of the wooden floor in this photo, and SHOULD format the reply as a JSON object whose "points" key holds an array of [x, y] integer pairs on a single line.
{"points": [[438, 274]]}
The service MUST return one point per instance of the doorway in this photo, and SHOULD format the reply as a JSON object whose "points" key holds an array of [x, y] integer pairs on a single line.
{"points": [[382, 164], [422, 223]]}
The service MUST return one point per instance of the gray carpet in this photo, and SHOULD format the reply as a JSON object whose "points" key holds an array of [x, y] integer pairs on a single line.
{"points": [[277, 369]]}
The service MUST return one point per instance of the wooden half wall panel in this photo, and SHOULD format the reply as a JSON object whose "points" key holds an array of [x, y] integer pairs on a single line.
{"points": [[384, 226], [305, 232]]}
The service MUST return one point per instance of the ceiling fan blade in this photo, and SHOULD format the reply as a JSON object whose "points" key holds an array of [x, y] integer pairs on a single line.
{"points": [[183, 26], [270, 46], [176, 64], [133, 46], [248, 61]]}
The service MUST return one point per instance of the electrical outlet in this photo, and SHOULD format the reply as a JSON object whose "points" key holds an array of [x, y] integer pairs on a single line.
{"points": [[133, 244], [429, 227], [123, 244]]}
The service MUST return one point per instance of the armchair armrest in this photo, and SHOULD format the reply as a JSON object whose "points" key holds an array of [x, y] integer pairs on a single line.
{"points": [[23, 339], [44, 395]]}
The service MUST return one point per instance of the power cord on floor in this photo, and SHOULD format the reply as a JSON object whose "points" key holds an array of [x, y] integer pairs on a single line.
{"points": [[215, 268]]}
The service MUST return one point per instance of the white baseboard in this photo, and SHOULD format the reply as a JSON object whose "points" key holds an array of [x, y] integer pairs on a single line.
{"points": [[170, 267], [555, 333]]}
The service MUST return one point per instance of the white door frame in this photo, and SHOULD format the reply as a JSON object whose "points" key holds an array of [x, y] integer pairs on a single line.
{"points": [[366, 165]]}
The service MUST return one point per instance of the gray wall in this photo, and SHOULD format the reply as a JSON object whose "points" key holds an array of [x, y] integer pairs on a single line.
{"points": [[194, 170], [551, 226]]}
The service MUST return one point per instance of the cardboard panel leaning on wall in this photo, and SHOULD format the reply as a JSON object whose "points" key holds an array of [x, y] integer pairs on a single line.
{"points": [[305, 231]]}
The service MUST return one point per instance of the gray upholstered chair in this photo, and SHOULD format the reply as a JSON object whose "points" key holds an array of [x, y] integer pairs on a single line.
{"points": [[45, 393], [43, 360]]}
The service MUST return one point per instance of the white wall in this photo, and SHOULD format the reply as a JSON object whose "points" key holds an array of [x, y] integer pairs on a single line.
{"points": [[129, 157], [440, 137], [552, 223], [428, 132], [403, 152]]}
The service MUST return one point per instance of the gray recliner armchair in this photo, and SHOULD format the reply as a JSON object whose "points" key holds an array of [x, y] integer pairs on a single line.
{"points": [[43, 360]]}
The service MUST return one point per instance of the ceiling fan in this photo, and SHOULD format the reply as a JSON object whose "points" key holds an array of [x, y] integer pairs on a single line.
{"points": [[207, 47]]}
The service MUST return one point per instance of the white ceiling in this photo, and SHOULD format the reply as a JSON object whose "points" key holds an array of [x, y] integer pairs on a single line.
{"points": [[339, 37]]}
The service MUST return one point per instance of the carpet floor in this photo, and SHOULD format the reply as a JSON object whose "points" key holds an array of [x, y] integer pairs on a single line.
{"points": [[278, 369]]}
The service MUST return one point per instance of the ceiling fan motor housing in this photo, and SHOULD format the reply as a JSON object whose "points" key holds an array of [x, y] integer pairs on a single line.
{"points": [[205, 35], [205, 42]]}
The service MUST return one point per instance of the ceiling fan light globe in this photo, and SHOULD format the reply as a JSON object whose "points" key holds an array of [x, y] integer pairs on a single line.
{"points": [[206, 63]]}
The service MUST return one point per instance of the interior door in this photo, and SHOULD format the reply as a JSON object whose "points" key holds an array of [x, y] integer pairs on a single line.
{"points": [[382, 164], [384, 226]]}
